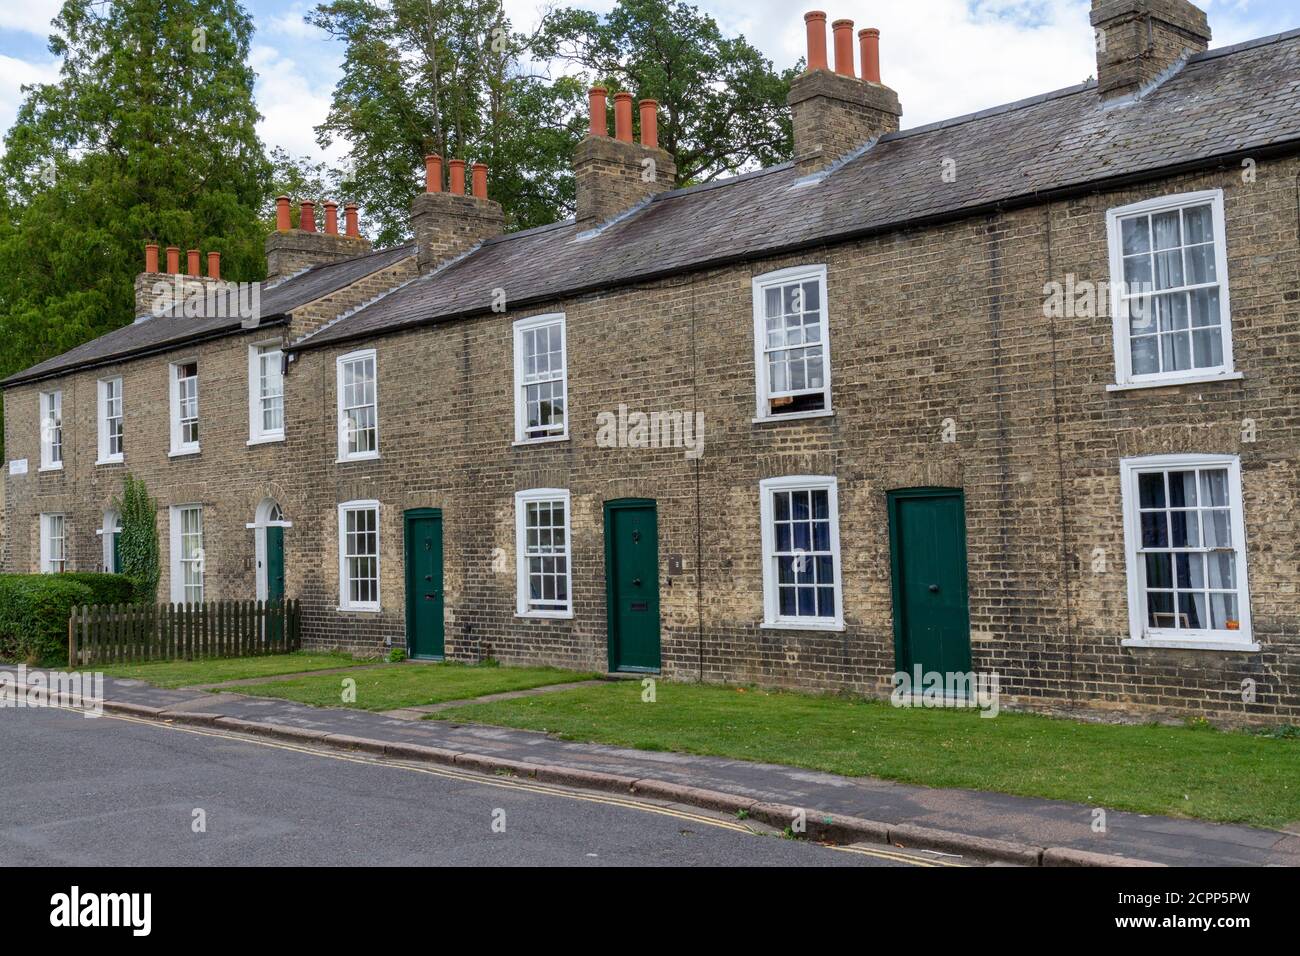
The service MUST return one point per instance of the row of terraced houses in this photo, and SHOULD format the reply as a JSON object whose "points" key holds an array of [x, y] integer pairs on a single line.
{"points": [[1014, 392]]}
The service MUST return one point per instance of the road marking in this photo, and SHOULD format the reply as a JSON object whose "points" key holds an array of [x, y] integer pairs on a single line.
{"points": [[517, 783]]}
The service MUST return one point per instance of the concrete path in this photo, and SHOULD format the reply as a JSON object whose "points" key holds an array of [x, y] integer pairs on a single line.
{"points": [[423, 710], [1040, 822], [273, 678]]}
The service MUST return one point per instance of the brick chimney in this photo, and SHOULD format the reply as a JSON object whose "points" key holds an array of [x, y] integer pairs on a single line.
{"points": [[290, 250], [834, 111], [614, 174], [1137, 40], [447, 223], [158, 288]]}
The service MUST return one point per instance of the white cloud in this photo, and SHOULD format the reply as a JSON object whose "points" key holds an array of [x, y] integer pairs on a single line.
{"points": [[292, 105], [13, 74], [29, 16]]}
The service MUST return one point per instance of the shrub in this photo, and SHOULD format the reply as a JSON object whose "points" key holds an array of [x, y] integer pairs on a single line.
{"points": [[34, 612], [137, 542], [104, 588]]}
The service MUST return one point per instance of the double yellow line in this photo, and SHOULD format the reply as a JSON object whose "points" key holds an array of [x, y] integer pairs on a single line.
{"points": [[516, 783]]}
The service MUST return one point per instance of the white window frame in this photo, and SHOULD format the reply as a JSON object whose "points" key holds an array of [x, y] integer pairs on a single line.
{"points": [[345, 602], [522, 499], [521, 379], [179, 446], [47, 543], [257, 433], [341, 427], [177, 571], [1141, 634], [51, 409], [772, 618], [1124, 377], [106, 455], [762, 393], [112, 527]]}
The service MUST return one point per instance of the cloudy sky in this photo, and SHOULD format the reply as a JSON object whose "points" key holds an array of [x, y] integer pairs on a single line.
{"points": [[944, 57]]}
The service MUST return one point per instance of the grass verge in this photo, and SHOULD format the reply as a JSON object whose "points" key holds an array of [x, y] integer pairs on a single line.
{"points": [[411, 685], [185, 673], [1179, 771]]}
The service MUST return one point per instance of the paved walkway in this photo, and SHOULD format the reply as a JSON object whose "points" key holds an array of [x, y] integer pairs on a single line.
{"points": [[990, 815]]}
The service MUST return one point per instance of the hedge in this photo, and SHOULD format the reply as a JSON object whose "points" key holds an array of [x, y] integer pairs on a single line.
{"points": [[34, 611]]}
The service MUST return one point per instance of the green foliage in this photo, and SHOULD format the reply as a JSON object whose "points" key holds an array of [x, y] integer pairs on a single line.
{"points": [[34, 613], [104, 588], [396, 655], [137, 542], [148, 134]]}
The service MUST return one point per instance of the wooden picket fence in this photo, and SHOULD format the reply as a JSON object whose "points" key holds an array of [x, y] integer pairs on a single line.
{"points": [[124, 633]]}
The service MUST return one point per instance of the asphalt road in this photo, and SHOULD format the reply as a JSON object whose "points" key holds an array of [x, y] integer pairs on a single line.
{"points": [[113, 791]]}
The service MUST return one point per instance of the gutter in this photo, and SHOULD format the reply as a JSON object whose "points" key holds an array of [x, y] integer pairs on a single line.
{"points": [[1287, 148]]}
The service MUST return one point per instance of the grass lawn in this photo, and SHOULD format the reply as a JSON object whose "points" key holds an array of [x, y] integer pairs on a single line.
{"points": [[410, 685], [185, 673], [1179, 771]]}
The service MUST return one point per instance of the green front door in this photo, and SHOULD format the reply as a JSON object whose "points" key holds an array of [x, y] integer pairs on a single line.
{"points": [[632, 584], [927, 532], [275, 577], [115, 550], [424, 599]]}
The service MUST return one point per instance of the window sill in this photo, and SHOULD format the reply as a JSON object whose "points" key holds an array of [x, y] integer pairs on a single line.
{"points": [[45, 468], [183, 453], [358, 610], [265, 440], [550, 440], [1171, 382], [115, 460], [832, 626], [1189, 644], [545, 615], [350, 458], [793, 417]]}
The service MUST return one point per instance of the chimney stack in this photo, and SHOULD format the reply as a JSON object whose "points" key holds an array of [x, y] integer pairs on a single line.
{"points": [[834, 112], [156, 291], [290, 250], [1137, 40], [447, 224], [614, 174]]}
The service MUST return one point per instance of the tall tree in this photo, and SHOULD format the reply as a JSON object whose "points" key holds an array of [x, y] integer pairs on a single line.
{"points": [[723, 105], [148, 134], [451, 77]]}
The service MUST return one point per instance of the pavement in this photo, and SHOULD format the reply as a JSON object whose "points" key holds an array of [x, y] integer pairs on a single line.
{"points": [[976, 824], [125, 792]]}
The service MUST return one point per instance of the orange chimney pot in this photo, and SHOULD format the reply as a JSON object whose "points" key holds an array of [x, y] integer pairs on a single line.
{"points": [[307, 216], [282, 213], [192, 262], [151, 257], [623, 117], [815, 22], [650, 123], [350, 218], [214, 265], [480, 171], [457, 176], [843, 30], [433, 173], [173, 260], [869, 44], [596, 107], [331, 218]]}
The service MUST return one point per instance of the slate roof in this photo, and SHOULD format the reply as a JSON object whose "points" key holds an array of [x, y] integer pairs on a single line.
{"points": [[158, 333], [1234, 101]]}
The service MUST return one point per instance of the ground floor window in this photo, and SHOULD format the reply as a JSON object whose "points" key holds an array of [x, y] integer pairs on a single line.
{"points": [[1186, 548], [542, 543], [801, 552], [188, 559], [53, 544], [359, 556]]}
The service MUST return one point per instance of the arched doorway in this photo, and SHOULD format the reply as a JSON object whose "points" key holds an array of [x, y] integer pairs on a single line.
{"points": [[268, 541]]}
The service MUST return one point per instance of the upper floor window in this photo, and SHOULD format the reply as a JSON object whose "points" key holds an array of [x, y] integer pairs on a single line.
{"points": [[1169, 290], [54, 556], [51, 430], [110, 420], [792, 359], [801, 552], [541, 379], [358, 406], [185, 407], [188, 558], [1186, 549], [359, 556], [265, 393], [543, 554]]}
